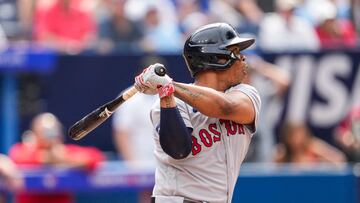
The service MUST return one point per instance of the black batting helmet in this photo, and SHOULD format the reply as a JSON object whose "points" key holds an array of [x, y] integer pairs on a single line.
{"points": [[204, 47]]}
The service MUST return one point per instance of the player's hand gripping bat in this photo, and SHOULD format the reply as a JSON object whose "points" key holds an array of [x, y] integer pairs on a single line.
{"points": [[92, 120]]}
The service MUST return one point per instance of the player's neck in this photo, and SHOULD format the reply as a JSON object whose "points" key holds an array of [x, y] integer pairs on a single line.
{"points": [[212, 80]]}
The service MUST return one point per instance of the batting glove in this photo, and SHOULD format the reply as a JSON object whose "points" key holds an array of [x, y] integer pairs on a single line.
{"points": [[142, 87], [163, 84]]}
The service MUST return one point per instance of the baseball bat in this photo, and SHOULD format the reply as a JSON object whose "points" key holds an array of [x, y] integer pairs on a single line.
{"points": [[92, 120]]}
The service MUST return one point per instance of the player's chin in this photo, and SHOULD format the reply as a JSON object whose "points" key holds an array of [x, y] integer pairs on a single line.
{"points": [[246, 66], [245, 70]]}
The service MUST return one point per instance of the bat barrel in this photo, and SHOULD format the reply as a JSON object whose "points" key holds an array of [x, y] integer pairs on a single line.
{"points": [[89, 123]]}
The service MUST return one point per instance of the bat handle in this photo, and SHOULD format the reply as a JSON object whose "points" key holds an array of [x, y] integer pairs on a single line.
{"points": [[160, 70], [129, 93]]}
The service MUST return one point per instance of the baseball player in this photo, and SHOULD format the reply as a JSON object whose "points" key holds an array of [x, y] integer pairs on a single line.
{"points": [[202, 130]]}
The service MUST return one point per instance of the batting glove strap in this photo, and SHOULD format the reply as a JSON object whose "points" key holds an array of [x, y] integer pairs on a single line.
{"points": [[167, 90], [142, 87], [139, 84]]}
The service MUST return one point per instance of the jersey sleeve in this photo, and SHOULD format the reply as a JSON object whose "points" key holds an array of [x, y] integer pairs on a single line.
{"points": [[184, 112], [254, 96]]}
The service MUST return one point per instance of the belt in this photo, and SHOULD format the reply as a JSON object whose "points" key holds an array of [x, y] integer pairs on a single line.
{"points": [[185, 201]]}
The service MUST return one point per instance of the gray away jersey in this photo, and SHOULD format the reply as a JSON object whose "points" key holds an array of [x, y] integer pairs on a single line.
{"points": [[211, 170]]}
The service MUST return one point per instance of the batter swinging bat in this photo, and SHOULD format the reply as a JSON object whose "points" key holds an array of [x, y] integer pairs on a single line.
{"points": [[99, 115]]}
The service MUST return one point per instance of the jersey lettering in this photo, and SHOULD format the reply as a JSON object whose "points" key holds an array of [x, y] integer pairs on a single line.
{"points": [[213, 130], [205, 137], [231, 127], [196, 147], [212, 134]]}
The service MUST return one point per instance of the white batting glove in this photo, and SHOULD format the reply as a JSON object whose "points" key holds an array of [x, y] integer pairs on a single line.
{"points": [[149, 80], [141, 87]]}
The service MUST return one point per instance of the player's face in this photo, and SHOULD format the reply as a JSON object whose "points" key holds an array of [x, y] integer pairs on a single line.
{"points": [[238, 70]]}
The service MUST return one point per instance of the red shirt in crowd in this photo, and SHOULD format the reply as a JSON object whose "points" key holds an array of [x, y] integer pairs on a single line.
{"points": [[30, 154], [345, 38], [64, 27]]}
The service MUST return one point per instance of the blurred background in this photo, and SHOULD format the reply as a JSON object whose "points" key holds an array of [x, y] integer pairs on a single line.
{"points": [[61, 59]]}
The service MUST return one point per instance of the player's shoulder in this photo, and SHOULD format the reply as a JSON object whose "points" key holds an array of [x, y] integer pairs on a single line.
{"points": [[242, 87], [249, 90]]}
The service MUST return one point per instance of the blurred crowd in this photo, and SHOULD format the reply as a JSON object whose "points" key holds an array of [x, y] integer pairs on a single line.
{"points": [[43, 146], [161, 26]]}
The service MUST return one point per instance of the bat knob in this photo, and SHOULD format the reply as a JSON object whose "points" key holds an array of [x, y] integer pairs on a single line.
{"points": [[160, 70]]}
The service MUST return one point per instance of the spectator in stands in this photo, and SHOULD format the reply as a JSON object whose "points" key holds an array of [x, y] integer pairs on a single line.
{"points": [[9, 176], [132, 127], [116, 32], [298, 145], [355, 8], [26, 14], [65, 26], [136, 10], [272, 82], [283, 31], [252, 16], [244, 15], [9, 19], [160, 36], [343, 8], [47, 149], [309, 9], [5, 26], [3, 40], [334, 33], [225, 11], [159, 23], [191, 16], [347, 134], [132, 131]]}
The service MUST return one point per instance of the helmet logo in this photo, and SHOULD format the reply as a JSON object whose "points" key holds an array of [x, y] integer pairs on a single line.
{"points": [[230, 35]]}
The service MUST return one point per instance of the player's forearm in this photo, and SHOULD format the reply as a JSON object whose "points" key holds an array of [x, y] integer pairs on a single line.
{"points": [[208, 101]]}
